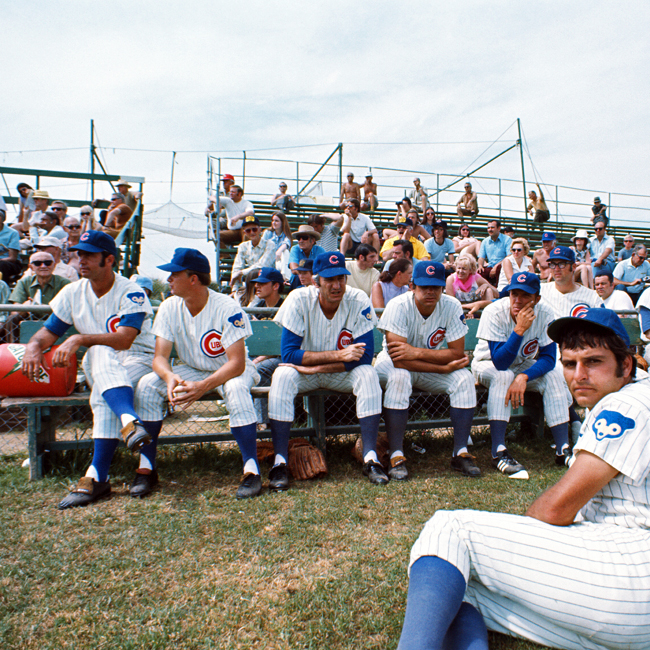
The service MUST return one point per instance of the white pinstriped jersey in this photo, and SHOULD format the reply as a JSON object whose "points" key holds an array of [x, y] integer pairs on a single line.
{"points": [[301, 314], [617, 430], [569, 304], [201, 340], [496, 324], [403, 318], [78, 305]]}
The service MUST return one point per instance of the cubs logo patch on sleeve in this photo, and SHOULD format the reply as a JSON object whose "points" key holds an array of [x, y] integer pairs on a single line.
{"points": [[611, 424], [344, 339], [436, 338], [211, 344], [366, 313], [112, 323], [462, 318], [579, 310], [137, 298], [530, 349], [237, 320]]}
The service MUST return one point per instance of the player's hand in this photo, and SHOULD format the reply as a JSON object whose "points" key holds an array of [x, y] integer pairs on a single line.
{"points": [[401, 351], [353, 352], [62, 354], [32, 362], [303, 370], [525, 319], [187, 393], [457, 364], [172, 382], [515, 393]]}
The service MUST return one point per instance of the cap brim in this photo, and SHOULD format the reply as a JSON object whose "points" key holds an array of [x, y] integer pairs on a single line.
{"points": [[429, 282], [332, 273], [522, 287], [89, 248], [559, 326], [172, 268]]}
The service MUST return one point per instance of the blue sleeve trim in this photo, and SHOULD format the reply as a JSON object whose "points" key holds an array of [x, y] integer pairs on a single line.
{"points": [[545, 362], [57, 326], [369, 339], [290, 351], [133, 320], [645, 319], [504, 353]]}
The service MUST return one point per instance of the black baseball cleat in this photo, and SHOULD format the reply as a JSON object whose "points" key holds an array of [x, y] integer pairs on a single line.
{"points": [[135, 436], [375, 473], [143, 484], [563, 458], [464, 463], [85, 492], [279, 478], [397, 470], [507, 465], [250, 486]]}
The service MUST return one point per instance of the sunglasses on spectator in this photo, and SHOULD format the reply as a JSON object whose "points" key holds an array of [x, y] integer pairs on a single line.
{"points": [[73, 227], [42, 262], [557, 265], [641, 257], [57, 209], [250, 231], [302, 237], [517, 250], [599, 229], [86, 214]]}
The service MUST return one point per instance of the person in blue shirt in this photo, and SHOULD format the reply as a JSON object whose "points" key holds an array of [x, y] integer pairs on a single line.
{"points": [[305, 249], [10, 266], [601, 249], [440, 247], [494, 249], [629, 274]]}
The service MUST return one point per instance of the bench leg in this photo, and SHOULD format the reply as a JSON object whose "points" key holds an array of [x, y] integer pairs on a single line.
{"points": [[316, 418], [35, 450]]}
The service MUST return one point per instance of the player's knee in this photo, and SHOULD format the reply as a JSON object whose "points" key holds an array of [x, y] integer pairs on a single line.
{"points": [[399, 381]]}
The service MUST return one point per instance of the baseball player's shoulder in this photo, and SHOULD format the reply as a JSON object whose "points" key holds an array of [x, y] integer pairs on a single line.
{"points": [[545, 312], [222, 302], [297, 304], [450, 303], [548, 290], [496, 309], [354, 296]]}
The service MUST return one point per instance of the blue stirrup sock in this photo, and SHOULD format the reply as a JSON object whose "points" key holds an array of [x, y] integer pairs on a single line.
{"points": [[148, 452], [461, 420], [120, 401], [435, 593], [560, 436], [498, 434], [395, 420], [280, 433], [468, 631], [103, 451], [246, 438], [369, 428]]}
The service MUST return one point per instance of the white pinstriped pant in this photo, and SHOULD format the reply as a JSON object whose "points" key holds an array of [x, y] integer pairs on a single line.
{"points": [[362, 381], [399, 383], [584, 586], [151, 394], [551, 386], [107, 368]]}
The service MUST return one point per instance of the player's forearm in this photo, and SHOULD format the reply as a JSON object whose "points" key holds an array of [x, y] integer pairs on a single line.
{"points": [[42, 340], [114, 340], [321, 358], [328, 368], [439, 357], [162, 368], [231, 369], [422, 366]]}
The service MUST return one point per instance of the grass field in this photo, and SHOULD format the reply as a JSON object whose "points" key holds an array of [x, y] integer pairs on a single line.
{"points": [[321, 566]]}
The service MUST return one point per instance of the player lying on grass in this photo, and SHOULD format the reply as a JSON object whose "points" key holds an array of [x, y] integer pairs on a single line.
{"points": [[574, 573]]}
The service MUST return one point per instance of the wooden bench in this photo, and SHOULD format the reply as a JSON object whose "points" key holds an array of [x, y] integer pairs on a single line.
{"points": [[44, 413]]}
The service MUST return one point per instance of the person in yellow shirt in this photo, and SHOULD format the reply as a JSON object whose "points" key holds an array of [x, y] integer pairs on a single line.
{"points": [[404, 231]]}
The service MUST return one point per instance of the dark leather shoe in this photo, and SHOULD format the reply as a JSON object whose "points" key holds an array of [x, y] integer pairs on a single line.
{"points": [[397, 470], [135, 436], [279, 478], [85, 492], [464, 463], [143, 484], [563, 458], [375, 473], [250, 486]]}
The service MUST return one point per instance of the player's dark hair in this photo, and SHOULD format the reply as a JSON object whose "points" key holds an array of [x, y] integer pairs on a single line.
{"points": [[204, 278], [105, 254], [395, 267], [407, 247], [578, 336], [365, 250]]}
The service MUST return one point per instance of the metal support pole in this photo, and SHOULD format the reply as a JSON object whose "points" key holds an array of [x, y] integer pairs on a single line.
{"points": [[609, 207], [523, 175], [92, 159], [340, 148], [243, 172], [499, 198]]}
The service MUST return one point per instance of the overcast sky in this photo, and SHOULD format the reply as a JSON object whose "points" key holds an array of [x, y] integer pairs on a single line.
{"points": [[230, 76]]}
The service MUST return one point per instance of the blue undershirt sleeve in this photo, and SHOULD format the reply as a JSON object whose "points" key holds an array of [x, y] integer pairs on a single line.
{"points": [[369, 339], [645, 319], [290, 351], [133, 320], [504, 353], [57, 326], [545, 362]]}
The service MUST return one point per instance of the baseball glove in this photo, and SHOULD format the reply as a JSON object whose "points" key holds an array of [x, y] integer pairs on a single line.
{"points": [[383, 450], [305, 460], [264, 451]]}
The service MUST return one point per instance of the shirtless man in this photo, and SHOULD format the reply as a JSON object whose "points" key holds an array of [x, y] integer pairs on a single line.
{"points": [[540, 256], [350, 190], [467, 205], [537, 207], [118, 214], [369, 194]]}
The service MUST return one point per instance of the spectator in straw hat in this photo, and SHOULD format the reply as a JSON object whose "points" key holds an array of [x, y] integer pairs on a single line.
{"points": [[583, 273], [305, 249], [130, 198], [31, 220]]}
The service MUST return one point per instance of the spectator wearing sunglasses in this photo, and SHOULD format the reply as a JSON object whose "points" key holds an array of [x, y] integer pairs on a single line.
{"points": [[87, 219], [601, 249], [72, 227], [252, 253], [629, 274], [52, 245]]}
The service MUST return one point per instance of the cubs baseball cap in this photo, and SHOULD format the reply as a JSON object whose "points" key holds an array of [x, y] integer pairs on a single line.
{"points": [[95, 241], [187, 259], [250, 220], [548, 236], [562, 253], [329, 265], [600, 319], [428, 274], [306, 265], [269, 274], [528, 282], [406, 222]]}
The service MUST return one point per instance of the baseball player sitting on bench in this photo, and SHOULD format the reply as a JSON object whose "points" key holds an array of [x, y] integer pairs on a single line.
{"points": [[415, 325], [209, 331], [515, 354], [111, 315], [575, 572], [327, 342]]}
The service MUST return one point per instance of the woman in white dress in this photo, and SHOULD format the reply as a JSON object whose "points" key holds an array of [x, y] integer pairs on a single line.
{"points": [[516, 262]]}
